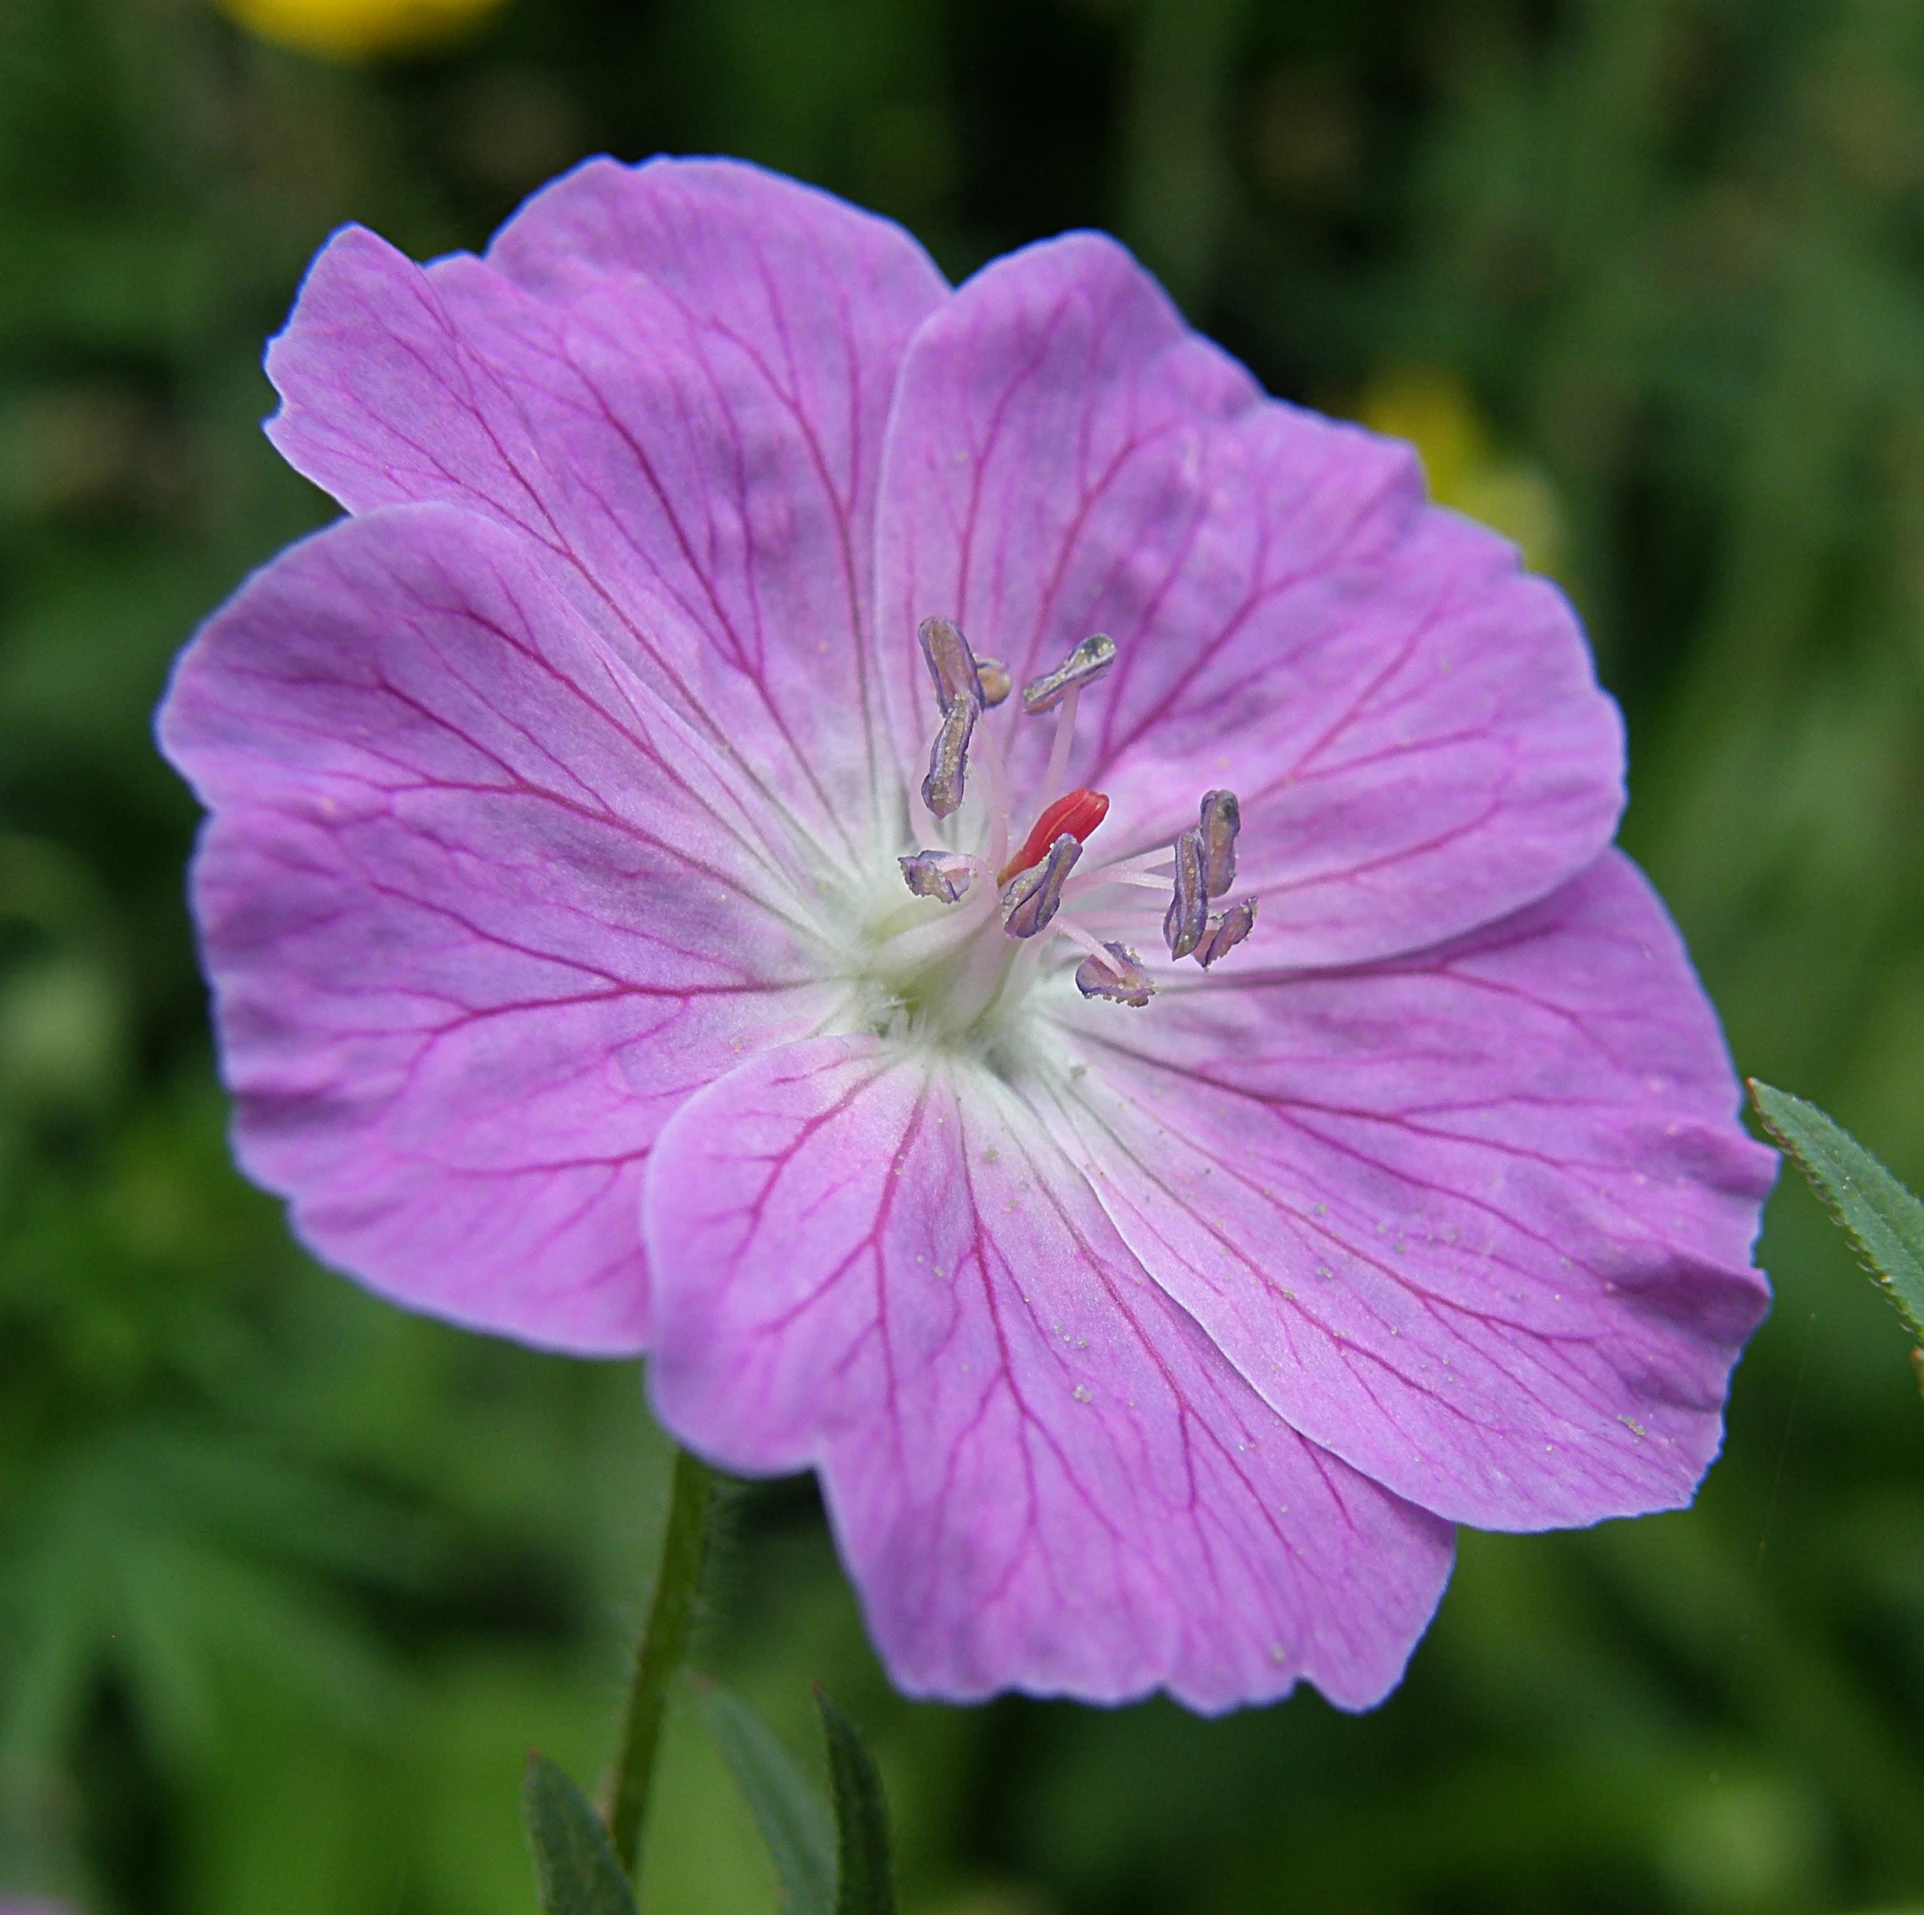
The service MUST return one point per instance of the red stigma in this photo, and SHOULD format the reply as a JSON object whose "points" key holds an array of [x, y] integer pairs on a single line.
{"points": [[1076, 812]]}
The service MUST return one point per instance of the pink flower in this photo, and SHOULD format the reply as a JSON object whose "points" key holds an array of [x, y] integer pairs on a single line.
{"points": [[627, 936]]}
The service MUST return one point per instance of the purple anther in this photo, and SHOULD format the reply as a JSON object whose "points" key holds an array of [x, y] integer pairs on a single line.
{"points": [[1188, 915], [1119, 977], [949, 758], [1088, 662], [1222, 818], [951, 663], [1033, 897], [994, 678], [1226, 931], [937, 874]]}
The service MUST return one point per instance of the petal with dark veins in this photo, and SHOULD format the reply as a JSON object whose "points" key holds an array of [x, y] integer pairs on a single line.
{"points": [[1412, 726], [1042, 1475], [1478, 1220], [479, 913], [686, 413]]}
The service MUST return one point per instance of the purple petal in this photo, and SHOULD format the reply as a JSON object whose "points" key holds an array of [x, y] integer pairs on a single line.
{"points": [[1412, 726], [1479, 1220], [479, 911], [1042, 1476], [675, 378]]}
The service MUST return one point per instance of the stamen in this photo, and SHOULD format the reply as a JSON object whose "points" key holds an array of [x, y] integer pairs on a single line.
{"points": [[1036, 896], [1222, 818], [1118, 977], [934, 939], [949, 758], [988, 761], [1145, 865], [937, 874], [1087, 663], [994, 678], [1226, 931], [1076, 812], [951, 663], [1029, 889], [1188, 915], [1061, 745]]}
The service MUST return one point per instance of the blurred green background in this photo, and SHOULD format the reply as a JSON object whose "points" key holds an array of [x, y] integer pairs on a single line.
{"points": [[289, 1582]]}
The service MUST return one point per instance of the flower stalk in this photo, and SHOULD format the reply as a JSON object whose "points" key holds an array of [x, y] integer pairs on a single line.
{"points": [[658, 1654]]}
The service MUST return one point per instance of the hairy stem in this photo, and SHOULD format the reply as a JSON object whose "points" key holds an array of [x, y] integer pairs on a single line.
{"points": [[664, 1640]]}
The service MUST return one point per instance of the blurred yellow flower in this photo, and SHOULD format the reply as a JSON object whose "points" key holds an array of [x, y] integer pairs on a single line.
{"points": [[1436, 411], [357, 29]]}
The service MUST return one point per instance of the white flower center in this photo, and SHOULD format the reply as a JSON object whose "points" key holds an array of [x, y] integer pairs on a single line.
{"points": [[957, 957]]}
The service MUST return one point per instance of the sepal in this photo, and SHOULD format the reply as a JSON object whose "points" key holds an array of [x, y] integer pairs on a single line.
{"points": [[793, 1818], [866, 1876], [574, 1862]]}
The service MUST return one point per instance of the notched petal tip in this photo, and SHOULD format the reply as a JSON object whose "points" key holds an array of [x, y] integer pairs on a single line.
{"points": [[1119, 978], [857, 1251], [1088, 662], [1033, 898]]}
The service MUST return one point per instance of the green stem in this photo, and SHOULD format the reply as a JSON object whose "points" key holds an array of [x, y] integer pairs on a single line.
{"points": [[658, 1654]]}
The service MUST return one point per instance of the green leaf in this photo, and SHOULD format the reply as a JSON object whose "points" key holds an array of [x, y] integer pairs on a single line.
{"points": [[866, 1879], [1882, 1219], [574, 1862], [793, 1819]]}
